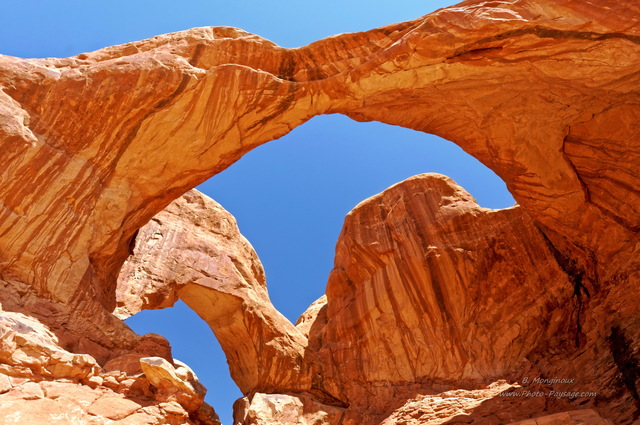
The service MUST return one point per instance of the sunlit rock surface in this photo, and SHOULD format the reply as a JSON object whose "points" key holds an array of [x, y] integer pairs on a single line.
{"points": [[193, 250], [437, 310], [545, 94], [300, 409], [42, 383]]}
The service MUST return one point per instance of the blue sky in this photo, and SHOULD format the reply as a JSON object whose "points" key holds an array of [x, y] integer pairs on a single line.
{"points": [[289, 196]]}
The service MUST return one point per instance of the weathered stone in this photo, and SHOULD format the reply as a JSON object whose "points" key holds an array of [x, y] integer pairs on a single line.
{"points": [[194, 250], [583, 417], [128, 363], [434, 240], [43, 412], [284, 409], [5, 383], [26, 342], [174, 385], [184, 372], [79, 394], [430, 292], [114, 408], [53, 380], [26, 391], [161, 373]]}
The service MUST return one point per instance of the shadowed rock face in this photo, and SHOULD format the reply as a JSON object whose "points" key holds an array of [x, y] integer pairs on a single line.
{"points": [[544, 94], [427, 281], [434, 309]]}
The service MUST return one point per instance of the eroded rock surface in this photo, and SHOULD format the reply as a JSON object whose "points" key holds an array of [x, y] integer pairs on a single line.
{"points": [[437, 310], [194, 251], [546, 95], [285, 409], [429, 282], [42, 383], [586, 417]]}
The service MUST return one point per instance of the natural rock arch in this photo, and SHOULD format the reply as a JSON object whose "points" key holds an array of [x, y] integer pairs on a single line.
{"points": [[96, 145], [137, 125]]}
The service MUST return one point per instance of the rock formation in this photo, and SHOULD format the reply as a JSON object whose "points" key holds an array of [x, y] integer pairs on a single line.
{"points": [[463, 302], [42, 383], [430, 293], [193, 250]]}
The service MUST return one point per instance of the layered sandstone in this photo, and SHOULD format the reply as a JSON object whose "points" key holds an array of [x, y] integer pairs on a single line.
{"points": [[546, 95], [194, 251], [436, 310], [492, 77], [431, 293], [42, 383]]}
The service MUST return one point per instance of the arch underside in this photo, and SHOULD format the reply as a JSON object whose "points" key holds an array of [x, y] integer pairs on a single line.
{"points": [[96, 145]]}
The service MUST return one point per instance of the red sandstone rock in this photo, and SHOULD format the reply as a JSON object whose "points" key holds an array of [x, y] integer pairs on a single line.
{"points": [[544, 94], [193, 250], [586, 417]]}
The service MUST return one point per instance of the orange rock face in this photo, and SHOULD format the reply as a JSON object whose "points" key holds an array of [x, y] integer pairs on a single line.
{"points": [[422, 281], [430, 293], [436, 309], [194, 251], [42, 383], [526, 115]]}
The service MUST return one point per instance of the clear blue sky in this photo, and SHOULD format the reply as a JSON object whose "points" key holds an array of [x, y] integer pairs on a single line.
{"points": [[289, 196]]}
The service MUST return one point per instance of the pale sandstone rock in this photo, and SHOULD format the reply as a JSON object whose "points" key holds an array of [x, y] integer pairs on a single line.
{"points": [[44, 412], [47, 384], [308, 318], [26, 391], [176, 385], [95, 381], [161, 373], [174, 409], [285, 409], [82, 329], [78, 394], [5, 383], [114, 408], [110, 381], [184, 372], [450, 406], [26, 342], [142, 418], [71, 403]]}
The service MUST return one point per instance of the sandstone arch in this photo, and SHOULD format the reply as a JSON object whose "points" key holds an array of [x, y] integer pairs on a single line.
{"points": [[545, 95]]}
